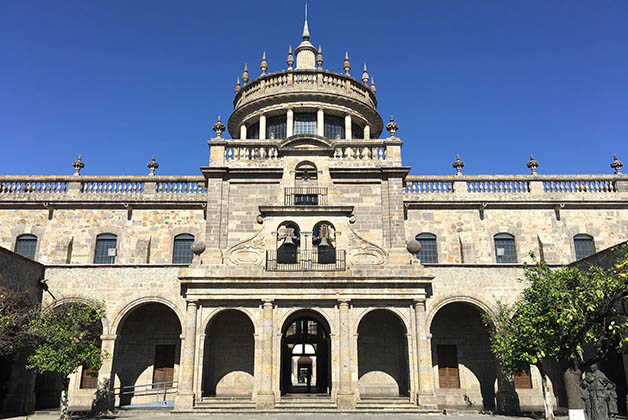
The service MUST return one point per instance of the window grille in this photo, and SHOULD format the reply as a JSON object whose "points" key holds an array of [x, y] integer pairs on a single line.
{"points": [[334, 127], [583, 245], [105, 249], [182, 252], [428, 253], [357, 132], [505, 248], [252, 131], [25, 245], [304, 123], [276, 127]]}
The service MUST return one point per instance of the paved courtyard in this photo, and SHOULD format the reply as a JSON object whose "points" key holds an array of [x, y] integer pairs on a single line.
{"points": [[280, 416]]}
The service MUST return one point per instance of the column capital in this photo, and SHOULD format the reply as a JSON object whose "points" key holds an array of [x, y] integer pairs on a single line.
{"points": [[191, 302], [267, 301], [419, 304], [344, 301], [108, 337]]}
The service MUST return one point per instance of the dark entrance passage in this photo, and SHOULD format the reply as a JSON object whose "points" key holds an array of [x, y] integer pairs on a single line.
{"points": [[305, 355]]}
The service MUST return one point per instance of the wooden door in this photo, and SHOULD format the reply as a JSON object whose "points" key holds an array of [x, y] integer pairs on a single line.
{"points": [[164, 363], [523, 380], [448, 376]]}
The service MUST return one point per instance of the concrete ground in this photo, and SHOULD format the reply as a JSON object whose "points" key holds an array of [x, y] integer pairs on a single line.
{"points": [[164, 415]]}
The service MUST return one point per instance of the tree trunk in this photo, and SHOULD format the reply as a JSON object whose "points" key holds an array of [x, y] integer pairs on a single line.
{"points": [[574, 400], [548, 405], [63, 406]]}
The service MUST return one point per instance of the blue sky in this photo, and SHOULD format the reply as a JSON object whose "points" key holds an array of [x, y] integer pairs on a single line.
{"points": [[492, 80]]}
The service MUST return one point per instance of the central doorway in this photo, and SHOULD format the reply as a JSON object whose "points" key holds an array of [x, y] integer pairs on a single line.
{"points": [[305, 354]]}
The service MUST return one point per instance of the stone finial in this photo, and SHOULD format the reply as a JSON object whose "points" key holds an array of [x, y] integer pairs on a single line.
{"points": [[458, 165], [306, 31], [533, 164], [78, 165], [392, 127], [290, 59], [319, 58], [237, 88], [373, 88], [365, 76], [346, 66], [219, 127], [616, 164], [152, 165], [245, 75], [263, 65]]}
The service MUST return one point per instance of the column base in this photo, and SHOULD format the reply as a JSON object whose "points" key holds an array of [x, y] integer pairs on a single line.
{"points": [[346, 401], [427, 400], [265, 401], [507, 403], [183, 402]]}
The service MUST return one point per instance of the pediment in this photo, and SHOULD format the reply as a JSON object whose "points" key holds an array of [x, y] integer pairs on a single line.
{"points": [[306, 143]]}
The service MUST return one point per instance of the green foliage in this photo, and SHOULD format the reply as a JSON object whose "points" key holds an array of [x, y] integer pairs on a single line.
{"points": [[560, 312], [69, 337]]}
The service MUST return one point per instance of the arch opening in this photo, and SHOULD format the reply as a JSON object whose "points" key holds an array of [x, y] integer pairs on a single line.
{"points": [[305, 355], [229, 355], [383, 369]]}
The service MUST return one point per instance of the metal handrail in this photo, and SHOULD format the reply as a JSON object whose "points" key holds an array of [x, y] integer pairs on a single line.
{"points": [[158, 388]]}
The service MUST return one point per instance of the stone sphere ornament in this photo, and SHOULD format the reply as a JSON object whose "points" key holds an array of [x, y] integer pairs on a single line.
{"points": [[198, 247], [413, 246]]}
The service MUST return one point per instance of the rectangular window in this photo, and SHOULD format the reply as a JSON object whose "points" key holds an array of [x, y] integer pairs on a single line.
{"points": [[105, 249], [304, 123], [583, 245], [25, 245], [428, 253], [164, 364], [505, 248], [276, 127], [523, 380], [334, 127], [182, 253], [89, 378], [357, 132], [252, 131], [447, 366]]}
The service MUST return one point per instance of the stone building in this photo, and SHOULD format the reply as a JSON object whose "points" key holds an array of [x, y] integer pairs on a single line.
{"points": [[304, 266]]}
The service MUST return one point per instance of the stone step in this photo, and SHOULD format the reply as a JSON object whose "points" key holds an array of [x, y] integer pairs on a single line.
{"points": [[305, 403], [225, 404]]}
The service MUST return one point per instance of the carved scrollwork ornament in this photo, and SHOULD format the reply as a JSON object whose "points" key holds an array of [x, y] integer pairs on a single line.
{"points": [[259, 219]]}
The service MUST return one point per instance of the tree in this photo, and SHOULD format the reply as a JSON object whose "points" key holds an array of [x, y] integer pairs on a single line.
{"points": [[561, 313], [17, 310], [68, 337]]}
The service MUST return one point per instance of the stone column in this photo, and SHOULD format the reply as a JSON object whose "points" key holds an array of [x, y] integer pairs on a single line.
{"points": [[243, 132], [346, 396], [320, 122], [367, 132], [289, 123], [265, 396], [348, 127], [425, 396], [105, 399], [262, 127], [185, 394]]}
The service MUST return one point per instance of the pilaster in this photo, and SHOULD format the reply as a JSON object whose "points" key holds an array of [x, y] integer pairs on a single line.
{"points": [[265, 397], [346, 398], [184, 399], [426, 397]]}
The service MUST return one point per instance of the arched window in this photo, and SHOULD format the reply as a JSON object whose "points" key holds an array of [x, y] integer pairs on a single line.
{"points": [[583, 245], [106, 248], [288, 241], [505, 248], [428, 253], [182, 251], [25, 245], [324, 240], [334, 127]]}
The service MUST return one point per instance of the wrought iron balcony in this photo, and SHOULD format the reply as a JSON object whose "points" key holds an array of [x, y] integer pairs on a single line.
{"points": [[305, 196], [323, 259]]}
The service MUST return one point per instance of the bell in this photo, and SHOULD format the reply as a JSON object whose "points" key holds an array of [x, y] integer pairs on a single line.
{"points": [[324, 242], [288, 241]]}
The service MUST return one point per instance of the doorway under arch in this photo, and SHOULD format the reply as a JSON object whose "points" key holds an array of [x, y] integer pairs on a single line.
{"points": [[383, 369], [305, 355]]}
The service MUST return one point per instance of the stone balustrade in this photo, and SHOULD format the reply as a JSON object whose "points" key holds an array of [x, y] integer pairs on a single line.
{"points": [[289, 81], [473, 187], [101, 187]]}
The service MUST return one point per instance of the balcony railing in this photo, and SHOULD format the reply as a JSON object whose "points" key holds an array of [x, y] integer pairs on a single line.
{"points": [[306, 260], [305, 196]]}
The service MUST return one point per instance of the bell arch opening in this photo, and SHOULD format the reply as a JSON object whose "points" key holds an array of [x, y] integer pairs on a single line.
{"points": [[383, 369], [305, 355]]}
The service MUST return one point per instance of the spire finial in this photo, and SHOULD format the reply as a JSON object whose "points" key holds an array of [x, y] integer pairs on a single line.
{"points": [[373, 89], [306, 31], [78, 165], [263, 65], [319, 58], [152, 165], [219, 127], [365, 76], [392, 127], [616, 164], [533, 164], [347, 65], [290, 59], [245, 75], [237, 88], [458, 164]]}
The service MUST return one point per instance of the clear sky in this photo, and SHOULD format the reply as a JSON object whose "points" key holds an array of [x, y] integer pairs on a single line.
{"points": [[492, 80]]}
